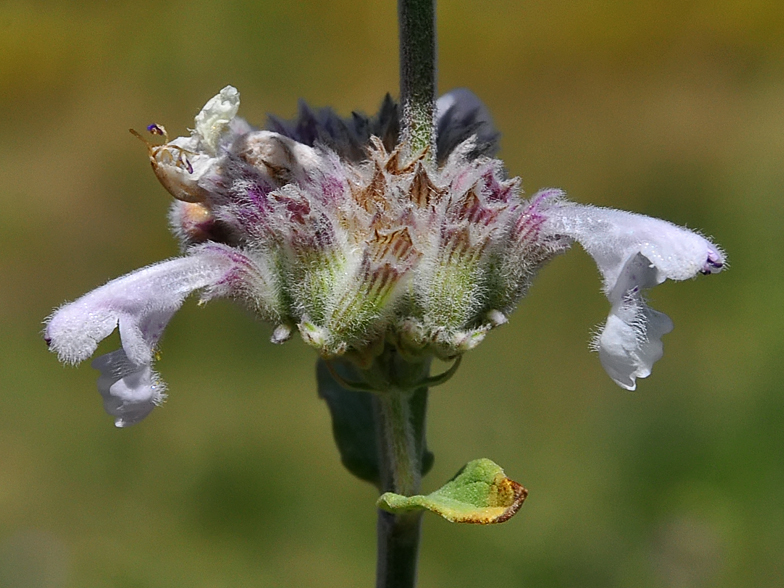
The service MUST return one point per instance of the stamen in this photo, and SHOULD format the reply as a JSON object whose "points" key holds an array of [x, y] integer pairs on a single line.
{"points": [[184, 161]]}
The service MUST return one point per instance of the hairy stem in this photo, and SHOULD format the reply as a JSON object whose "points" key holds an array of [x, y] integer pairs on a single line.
{"points": [[402, 460], [417, 23], [398, 549], [400, 428]]}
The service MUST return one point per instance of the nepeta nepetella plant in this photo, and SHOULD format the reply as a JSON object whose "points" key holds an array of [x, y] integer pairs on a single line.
{"points": [[385, 241], [321, 226]]}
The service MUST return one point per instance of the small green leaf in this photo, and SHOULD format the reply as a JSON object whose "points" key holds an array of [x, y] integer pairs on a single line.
{"points": [[479, 493]]}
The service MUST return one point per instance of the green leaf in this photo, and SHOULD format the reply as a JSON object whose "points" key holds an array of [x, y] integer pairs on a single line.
{"points": [[479, 493], [353, 422]]}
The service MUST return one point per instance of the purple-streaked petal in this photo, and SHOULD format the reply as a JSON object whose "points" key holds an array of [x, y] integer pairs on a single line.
{"points": [[633, 253]]}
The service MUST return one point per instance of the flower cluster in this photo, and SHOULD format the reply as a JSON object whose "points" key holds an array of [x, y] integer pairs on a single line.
{"points": [[322, 225]]}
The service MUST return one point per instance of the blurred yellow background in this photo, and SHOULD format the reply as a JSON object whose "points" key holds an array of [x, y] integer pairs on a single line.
{"points": [[670, 108]]}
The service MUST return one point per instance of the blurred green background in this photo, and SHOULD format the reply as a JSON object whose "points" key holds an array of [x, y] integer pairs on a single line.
{"points": [[670, 108]]}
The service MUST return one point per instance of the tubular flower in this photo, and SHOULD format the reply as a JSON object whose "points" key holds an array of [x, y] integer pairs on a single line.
{"points": [[321, 225]]}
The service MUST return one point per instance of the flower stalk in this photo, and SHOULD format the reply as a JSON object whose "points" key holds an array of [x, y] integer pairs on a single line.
{"points": [[399, 442], [379, 426], [400, 418], [398, 549], [417, 23]]}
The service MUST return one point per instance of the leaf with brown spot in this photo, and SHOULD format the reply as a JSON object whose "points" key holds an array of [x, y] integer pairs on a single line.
{"points": [[480, 493]]}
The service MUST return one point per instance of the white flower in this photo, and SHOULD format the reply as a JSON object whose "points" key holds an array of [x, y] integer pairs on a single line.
{"points": [[633, 253], [215, 117], [141, 305]]}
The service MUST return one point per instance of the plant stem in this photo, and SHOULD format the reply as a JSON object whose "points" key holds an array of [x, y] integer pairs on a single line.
{"points": [[400, 457], [400, 432], [398, 549], [400, 420], [417, 23]]}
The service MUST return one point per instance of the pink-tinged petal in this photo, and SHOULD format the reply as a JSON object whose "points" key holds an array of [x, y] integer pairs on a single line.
{"points": [[633, 253], [141, 305]]}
